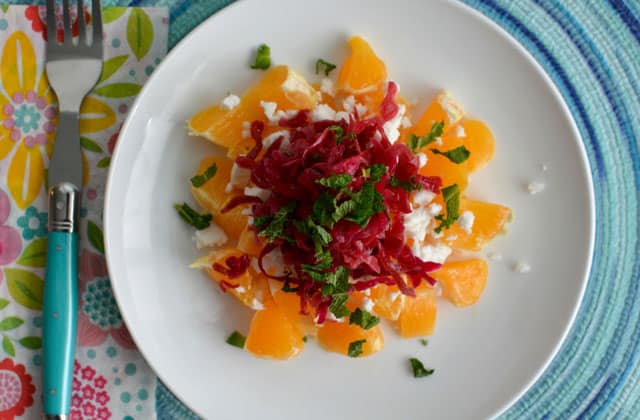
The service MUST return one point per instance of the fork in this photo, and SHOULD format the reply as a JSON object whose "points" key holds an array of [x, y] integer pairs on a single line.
{"points": [[73, 69]]}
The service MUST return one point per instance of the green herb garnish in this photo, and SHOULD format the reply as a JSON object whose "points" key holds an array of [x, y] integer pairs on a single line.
{"points": [[236, 339], [408, 186], [451, 196], [338, 305], [355, 348], [336, 182], [457, 155], [368, 201], [195, 219], [418, 368], [376, 172], [323, 209], [263, 58], [262, 221], [201, 179], [363, 319], [418, 142], [424, 341], [323, 66], [305, 339], [275, 229]]}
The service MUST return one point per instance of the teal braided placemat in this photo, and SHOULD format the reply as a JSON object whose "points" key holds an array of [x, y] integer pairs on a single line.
{"points": [[591, 50]]}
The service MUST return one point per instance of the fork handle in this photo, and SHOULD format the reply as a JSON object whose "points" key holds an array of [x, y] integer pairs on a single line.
{"points": [[60, 308]]}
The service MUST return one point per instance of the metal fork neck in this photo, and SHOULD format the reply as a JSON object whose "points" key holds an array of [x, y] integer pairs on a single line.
{"points": [[64, 205]]}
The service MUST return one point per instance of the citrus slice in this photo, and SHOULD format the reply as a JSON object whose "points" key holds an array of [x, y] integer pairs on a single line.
{"points": [[463, 281], [337, 336]]}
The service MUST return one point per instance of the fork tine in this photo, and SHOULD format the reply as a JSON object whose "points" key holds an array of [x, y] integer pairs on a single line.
{"points": [[66, 16], [96, 16], [51, 22], [82, 30]]}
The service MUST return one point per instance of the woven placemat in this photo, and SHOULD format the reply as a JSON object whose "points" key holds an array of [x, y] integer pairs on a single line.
{"points": [[591, 50]]}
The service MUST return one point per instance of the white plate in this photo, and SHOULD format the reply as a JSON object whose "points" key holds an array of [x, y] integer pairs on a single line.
{"points": [[485, 356]]}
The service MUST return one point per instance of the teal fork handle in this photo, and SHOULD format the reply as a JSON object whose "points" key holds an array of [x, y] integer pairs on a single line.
{"points": [[60, 313]]}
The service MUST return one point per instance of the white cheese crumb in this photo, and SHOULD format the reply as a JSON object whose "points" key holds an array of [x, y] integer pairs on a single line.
{"points": [[465, 221], [422, 197], [367, 304], [326, 86], [230, 101], [494, 256], [437, 253], [273, 263], [460, 131], [349, 104], [394, 295], [246, 211], [323, 112], [240, 289], [362, 109], [451, 107], [452, 237], [332, 317], [422, 159], [522, 267], [239, 177], [439, 141], [261, 193], [437, 235], [535, 187], [342, 115], [416, 224], [367, 292], [268, 141], [392, 127], [269, 109], [406, 122], [434, 209], [256, 305], [210, 237]]}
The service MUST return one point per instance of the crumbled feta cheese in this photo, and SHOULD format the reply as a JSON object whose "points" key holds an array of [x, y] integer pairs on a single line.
{"points": [[439, 141], [394, 295], [406, 122], [349, 104], [451, 107], [465, 221], [460, 131], [522, 267], [367, 292], [323, 112], [342, 115], [416, 224], [240, 289], [437, 253], [230, 101], [434, 209], [392, 127], [256, 305], [422, 159], [437, 235], [332, 317], [239, 177], [268, 141], [422, 197], [494, 256], [269, 109], [261, 193], [273, 263], [326, 86], [452, 237], [367, 304], [246, 211], [210, 237], [535, 187], [362, 109]]}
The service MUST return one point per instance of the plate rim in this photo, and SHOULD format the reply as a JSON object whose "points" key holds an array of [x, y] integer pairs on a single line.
{"points": [[462, 8]]}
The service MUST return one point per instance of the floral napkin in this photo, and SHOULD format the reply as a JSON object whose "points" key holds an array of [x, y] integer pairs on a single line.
{"points": [[111, 379]]}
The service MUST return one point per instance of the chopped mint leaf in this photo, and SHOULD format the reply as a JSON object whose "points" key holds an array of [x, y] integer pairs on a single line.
{"points": [[192, 217], [323, 208], [451, 196], [336, 182], [408, 186], [338, 305], [263, 58], [418, 142], [201, 179], [457, 155], [236, 339], [275, 229], [355, 348], [305, 339], [424, 341], [323, 66], [368, 201], [376, 172], [418, 368], [316, 232], [339, 131], [262, 221], [343, 210], [363, 319]]}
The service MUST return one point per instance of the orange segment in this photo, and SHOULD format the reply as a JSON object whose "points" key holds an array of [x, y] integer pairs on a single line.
{"points": [[249, 242], [490, 220], [387, 301], [232, 222], [479, 141], [273, 335], [463, 281], [449, 172], [212, 195], [362, 71], [443, 108], [289, 303], [252, 289], [282, 85], [418, 315], [336, 337]]}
